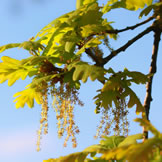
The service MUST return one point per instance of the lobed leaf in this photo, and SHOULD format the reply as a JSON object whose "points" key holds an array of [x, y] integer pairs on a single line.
{"points": [[27, 96], [127, 4], [75, 157], [148, 9], [132, 139], [112, 141], [94, 42], [83, 70], [31, 46], [8, 46], [134, 152], [148, 126], [133, 100], [12, 70], [118, 87]]}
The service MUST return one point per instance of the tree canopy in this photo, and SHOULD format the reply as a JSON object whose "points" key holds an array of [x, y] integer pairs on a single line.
{"points": [[57, 69]]}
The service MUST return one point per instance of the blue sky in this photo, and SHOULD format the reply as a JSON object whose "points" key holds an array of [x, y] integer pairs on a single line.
{"points": [[22, 19]]}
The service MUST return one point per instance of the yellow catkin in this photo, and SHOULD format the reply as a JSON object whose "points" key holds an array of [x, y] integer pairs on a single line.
{"points": [[44, 115], [64, 99], [114, 118]]}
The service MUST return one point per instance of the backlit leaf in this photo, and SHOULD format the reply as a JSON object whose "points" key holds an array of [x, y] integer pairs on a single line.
{"points": [[132, 139], [83, 70], [148, 126], [94, 42], [12, 70], [148, 9], [85, 2], [127, 4], [79, 3], [75, 157], [8, 46], [112, 141], [110, 92], [27, 96]]}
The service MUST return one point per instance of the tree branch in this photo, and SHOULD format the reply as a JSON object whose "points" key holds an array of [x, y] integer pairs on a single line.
{"points": [[115, 31], [129, 43], [101, 62], [94, 57], [152, 70]]}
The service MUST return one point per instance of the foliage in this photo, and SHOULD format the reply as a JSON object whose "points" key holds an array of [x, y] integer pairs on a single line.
{"points": [[120, 148], [57, 69]]}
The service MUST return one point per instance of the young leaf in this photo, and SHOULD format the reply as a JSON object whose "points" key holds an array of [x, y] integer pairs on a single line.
{"points": [[134, 152], [94, 42], [12, 70], [112, 141], [118, 86], [83, 70], [79, 3], [27, 96], [131, 140], [75, 157], [31, 46], [148, 9], [148, 126], [127, 4], [85, 2], [133, 100], [8, 46]]}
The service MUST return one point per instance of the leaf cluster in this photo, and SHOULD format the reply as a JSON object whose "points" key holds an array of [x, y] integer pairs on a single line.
{"points": [[56, 65], [120, 148]]}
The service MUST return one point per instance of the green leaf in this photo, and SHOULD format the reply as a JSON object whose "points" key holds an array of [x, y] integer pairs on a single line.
{"points": [[148, 9], [91, 15], [90, 29], [112, 141], [136, 77], [107, 98], [27, 96], [70, 47], [133, 100], [50, 43], [85, 2], [79, 3], [83, 70], [148, 126], [32, 47], [131, 140], [94, 42], [121, 80], [95, 149], [68, 79], [134, 152], [8, 46], [12, 70], [127, 4], [75, 157], [37, 81], [130, 150]]}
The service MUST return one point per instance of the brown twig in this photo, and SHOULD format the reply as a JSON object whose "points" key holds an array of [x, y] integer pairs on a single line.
{"points": [[92, 56], [152, 71], [129, 43], [101, 62], [115, 31]]}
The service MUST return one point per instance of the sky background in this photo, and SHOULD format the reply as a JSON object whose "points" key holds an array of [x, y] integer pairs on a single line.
{"points": [[22, 19]]}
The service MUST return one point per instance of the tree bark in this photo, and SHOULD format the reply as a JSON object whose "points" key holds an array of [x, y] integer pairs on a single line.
{"points": [[152, 71]]}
